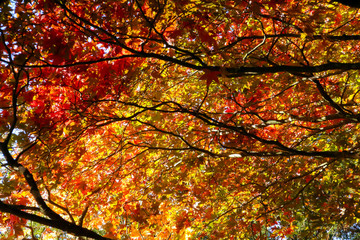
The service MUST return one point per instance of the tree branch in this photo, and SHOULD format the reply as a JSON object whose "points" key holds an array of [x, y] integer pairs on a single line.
{"points": [[62, 225]]}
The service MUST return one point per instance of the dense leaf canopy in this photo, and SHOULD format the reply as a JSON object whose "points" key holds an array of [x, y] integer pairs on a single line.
{"points": [[179, 119]]}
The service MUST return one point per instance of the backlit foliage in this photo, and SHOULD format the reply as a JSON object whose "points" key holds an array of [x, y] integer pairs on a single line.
{"points": [[179, 119]]}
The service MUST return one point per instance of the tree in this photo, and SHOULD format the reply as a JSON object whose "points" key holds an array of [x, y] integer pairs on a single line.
{"points": [[164, 119]]}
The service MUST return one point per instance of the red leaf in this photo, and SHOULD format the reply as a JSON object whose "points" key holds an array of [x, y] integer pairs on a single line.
{"points": [[210, 76], [205, 37], [308, 178]]}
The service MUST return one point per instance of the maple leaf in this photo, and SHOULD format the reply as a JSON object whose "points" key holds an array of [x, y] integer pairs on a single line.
{"points": [[209, 76]]}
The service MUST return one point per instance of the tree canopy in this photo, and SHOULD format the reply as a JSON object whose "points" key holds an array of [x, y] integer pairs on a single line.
{"points": [[179, 119]]}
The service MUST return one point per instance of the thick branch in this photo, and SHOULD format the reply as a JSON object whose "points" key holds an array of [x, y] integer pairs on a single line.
{"points": [[62, 225], [240, 71], [229, 72], [31, 182]]}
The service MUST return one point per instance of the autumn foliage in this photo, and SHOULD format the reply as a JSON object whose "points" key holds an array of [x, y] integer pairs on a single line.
{"points": [[179, 119]]}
